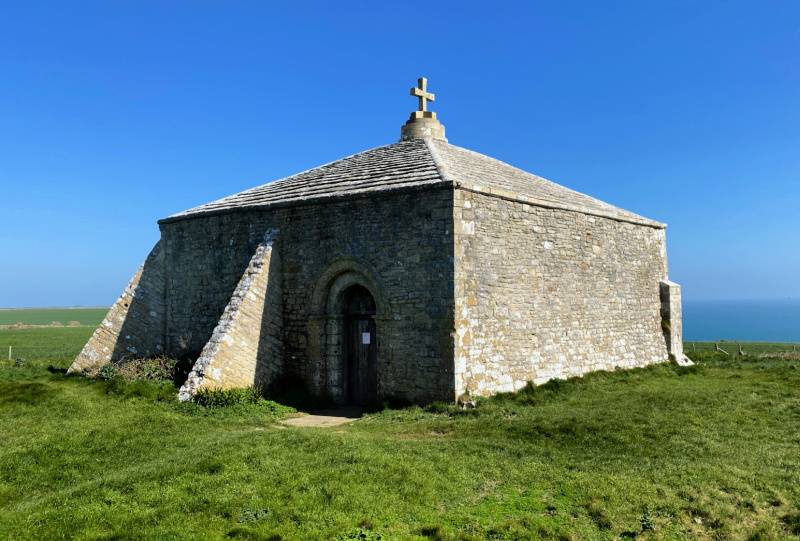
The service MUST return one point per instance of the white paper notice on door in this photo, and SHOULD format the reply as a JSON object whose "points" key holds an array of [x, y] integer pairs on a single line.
{"points": [[365, 338]]}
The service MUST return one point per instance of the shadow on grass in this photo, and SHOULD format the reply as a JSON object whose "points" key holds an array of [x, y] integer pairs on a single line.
{"points": [[32, 394], [291, 391]]}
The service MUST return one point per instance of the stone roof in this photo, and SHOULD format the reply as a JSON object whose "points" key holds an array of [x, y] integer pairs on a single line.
{"points": [[410, 165]]}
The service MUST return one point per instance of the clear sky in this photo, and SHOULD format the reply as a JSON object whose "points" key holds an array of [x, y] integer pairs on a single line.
{"points": [[116, 114]]}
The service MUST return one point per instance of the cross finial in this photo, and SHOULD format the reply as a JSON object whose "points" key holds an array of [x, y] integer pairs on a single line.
{"points": [[419, 91], [423, 123]]}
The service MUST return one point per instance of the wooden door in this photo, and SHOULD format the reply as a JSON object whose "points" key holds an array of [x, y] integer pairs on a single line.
{"points": [[361, 366]]}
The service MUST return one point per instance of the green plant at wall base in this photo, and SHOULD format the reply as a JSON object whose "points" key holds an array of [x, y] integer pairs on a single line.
{"points": [[160, 368], [249, 398], [106, 372]]}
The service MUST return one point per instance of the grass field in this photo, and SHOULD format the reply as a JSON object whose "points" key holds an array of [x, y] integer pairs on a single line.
{"points": [[750, 348], [45, 316], [53, 343], [706, 452]]}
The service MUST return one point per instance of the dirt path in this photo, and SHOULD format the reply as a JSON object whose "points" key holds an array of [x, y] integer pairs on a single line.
{"points": [[331, 417]]}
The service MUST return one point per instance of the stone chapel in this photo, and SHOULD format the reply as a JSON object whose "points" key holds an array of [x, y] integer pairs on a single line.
{"points": [[418, 270]]}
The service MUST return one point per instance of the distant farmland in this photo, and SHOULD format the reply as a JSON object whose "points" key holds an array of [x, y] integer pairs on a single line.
{"points": [[45, 316]]}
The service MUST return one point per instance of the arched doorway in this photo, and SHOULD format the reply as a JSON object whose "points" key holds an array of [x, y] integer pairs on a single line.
{"points": [[360, 346]]}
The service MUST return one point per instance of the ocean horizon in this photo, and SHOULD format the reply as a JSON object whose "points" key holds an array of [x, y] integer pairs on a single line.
{"points": [[746, 320]]}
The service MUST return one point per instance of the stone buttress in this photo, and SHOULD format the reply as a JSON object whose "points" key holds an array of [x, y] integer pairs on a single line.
{"points": [[671, 320], [246, 346], [135, 325]]}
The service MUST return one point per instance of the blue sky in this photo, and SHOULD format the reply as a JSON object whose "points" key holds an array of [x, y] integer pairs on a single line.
{"points": [[115, 114]]}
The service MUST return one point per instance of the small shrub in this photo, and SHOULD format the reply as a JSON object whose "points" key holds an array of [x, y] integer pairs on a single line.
{"points": [[55, 324], [251, 516], [152, 368], [647, 521], [225, 398], [106, 372], [358, 534], [73, 324], [238, 399], [19, 361], [156, 369]]}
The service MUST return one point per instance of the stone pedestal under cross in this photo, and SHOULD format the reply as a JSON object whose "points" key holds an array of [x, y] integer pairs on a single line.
{"points": [[423, 123]]}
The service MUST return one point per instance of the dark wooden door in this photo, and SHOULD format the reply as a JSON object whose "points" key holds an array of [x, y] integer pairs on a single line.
{"points": [[362, 373]]}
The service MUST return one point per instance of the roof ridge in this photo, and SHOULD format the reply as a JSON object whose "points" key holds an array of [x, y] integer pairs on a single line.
{"points": [[441, 168], [501, 162], [568, 199]]}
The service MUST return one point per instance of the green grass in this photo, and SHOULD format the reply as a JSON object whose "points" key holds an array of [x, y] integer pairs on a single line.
{"points": [[750, 348], [45, 316], [44, 342], [664, 452]]}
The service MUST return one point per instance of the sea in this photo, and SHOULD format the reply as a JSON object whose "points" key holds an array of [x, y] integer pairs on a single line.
{"points": [[766, 320]]}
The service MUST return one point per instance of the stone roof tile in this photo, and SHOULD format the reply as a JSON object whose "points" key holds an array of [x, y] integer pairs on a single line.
{"points": [[407, 165], [485, 174]]}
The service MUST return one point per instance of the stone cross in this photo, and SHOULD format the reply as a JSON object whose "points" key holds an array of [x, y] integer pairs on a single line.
{"points": [[419, 91]]}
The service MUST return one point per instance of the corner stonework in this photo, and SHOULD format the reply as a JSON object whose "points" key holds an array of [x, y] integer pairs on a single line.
{"points": [[671, 320], [135, 325], [247, 344]]}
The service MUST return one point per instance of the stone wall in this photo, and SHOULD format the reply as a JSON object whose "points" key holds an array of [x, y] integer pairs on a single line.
{"points": [[543, 293], [205, 259], [135, 324], [399, 246], [246, 347]]}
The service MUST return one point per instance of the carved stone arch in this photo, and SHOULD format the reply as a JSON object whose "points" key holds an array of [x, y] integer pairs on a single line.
{"points": [[326, 322], [338, 276]]}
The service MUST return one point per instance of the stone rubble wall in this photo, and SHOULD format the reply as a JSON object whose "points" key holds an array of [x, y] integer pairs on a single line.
{"points": [[135, 325], [205, 260], [401, 244], [543, 293], [246, 346]]}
